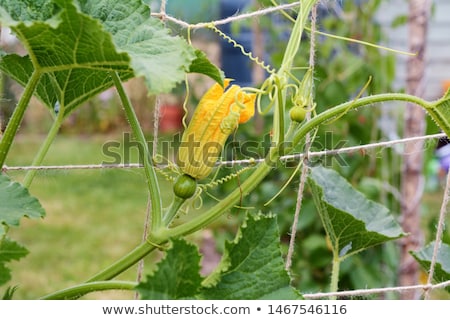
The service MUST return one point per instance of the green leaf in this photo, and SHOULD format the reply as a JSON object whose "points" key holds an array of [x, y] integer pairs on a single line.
{"points": [[23, 10], [76, 51], [202, 65], [70, 49], [5, 274], [9, 251], [442, 266], [67, 41], [161, 58], [16, 202], [252, 266], [177, 275], [352, 222], [399, 21], [20, 69], [440, 112]]}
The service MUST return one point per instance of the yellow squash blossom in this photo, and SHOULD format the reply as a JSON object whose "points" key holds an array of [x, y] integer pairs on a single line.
{"points": [[218, 113]]}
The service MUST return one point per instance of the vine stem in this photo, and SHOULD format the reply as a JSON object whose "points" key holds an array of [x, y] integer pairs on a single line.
{"points": [[125, 262], [17, 116], [85, 288], [296, 36], [37, 161], [343, 108], [213, 213], [335, 273], [152, 181], [155, 199], [172, 211]]}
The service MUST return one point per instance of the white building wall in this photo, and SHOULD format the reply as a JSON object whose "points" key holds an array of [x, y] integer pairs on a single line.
{"points": [[438, 49]]}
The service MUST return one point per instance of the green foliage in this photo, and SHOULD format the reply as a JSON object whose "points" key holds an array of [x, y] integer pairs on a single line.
{"points": [[72, 51], [9, 251], [65, 48], [252, 266], [440, 112], [177, 275], [352, 222], [242, 273], [16, 203], [29, 11], [202, 65], [160, 58], [442, 266]]}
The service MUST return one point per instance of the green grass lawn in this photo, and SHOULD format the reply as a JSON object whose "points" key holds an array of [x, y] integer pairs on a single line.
{"points": [[93, 217]]}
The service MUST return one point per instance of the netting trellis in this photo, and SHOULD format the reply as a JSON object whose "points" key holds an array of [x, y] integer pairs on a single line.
{"points": [[162, 14]]}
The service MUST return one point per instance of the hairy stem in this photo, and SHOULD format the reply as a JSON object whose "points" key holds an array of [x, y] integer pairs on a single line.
{"points": [[152, 181], [296, 35], [44, 149], [335, 273], [124, 263], [79, 290], [343, 108], [17, 116], [172, 211]]}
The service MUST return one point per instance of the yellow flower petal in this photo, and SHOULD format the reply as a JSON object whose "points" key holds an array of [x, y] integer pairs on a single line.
{"points": [[217, 115]]}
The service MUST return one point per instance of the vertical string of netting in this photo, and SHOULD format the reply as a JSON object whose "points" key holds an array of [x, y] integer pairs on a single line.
{"points": [[304, 172]]}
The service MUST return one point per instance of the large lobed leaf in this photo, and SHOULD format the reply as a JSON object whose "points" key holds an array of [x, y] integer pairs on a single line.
{"points": [[76, 48], [162, 59], [352, 222], [16, 203], [177, 276], [70, 87], [71, 50], [252, 266]]}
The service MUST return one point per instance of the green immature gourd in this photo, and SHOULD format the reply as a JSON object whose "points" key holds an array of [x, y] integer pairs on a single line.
{"points": [[185, 186], [298, 113]]}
